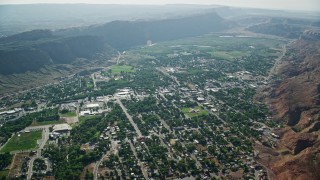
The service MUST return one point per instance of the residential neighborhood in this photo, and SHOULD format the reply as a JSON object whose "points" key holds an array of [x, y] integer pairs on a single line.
{"points": [[181, 115]]}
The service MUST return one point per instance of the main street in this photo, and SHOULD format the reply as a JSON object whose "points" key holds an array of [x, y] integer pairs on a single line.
{"points": [[129, 118], [167, 74], [143, 170]]}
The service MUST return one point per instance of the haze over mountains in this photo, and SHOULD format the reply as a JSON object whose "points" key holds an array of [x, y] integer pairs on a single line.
{"points": [[20, 18], [30, 51], [43, 44], [43, 47]]}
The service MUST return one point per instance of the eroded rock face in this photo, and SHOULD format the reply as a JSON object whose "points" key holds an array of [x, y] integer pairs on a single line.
{"points": [[314, 127], [301, 167], [295, 100], [311, 35], [297, 142]]}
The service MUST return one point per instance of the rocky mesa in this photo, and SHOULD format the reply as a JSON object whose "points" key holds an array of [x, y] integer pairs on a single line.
{"points": [[294, 100]]}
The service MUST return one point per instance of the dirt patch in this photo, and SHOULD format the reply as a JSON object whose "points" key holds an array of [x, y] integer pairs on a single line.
{"points": [[237, 174], [70, 120], [18, 159], [89, 168], [49, 178]]}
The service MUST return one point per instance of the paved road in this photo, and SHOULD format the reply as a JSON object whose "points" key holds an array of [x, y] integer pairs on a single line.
{"points": [[198, 164], [163, 123], [129, 118], [162, 95], [96, 167], [113, 149], [42, 142], [143, 170], [272, 70], [167, 74], [118, 58], [94, 82], [36, 128], [22, 113], [161, 136], [30, 169], [210, 112], [270, 173], [45, 137]]}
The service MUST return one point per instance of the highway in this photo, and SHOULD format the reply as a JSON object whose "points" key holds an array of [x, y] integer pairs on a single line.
{"points": [[272, 70]]}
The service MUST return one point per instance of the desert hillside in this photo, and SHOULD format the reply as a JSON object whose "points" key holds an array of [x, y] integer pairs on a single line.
{"points": [[294, 100]]}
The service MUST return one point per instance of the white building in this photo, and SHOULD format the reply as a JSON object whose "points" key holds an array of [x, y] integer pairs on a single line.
{"points": [[93, 105]]}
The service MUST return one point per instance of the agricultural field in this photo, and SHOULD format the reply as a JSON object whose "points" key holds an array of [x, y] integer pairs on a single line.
{"points": [[24, 141], [228, 55]]}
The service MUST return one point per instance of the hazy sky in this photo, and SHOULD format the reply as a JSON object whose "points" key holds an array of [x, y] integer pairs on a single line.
{"points": [[310, 5]]}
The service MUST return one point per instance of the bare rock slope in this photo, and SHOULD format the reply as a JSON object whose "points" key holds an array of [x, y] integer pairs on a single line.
{"points": [[294, 100]]}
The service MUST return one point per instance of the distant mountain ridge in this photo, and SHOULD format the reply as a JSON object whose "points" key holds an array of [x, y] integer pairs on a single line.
{"points": [[283, 27], [33, 50], [29, 51], [125, 34]]}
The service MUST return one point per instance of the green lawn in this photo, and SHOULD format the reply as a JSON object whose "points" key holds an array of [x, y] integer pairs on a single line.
{"points": [[23, 142], [119, 69], [198, 111], [89, 85], [69, 114]]}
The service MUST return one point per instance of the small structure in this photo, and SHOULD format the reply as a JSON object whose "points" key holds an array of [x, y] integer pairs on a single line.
{"points": [[92, 105], [62, 128], [194, 110], [85, 113], [124, 93], [214, 110], [200, 99], [275, 136]]}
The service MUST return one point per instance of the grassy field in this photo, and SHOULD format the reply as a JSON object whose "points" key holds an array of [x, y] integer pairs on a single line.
{"points": [[228, 55], [36, 123], [119, 69], [4, 174], [219, 47], [69, 114], [23, 142], [89, 85], [198, 111]]}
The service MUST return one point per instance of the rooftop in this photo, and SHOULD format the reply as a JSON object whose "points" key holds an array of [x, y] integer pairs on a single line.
{"points": [[61, 127]]}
